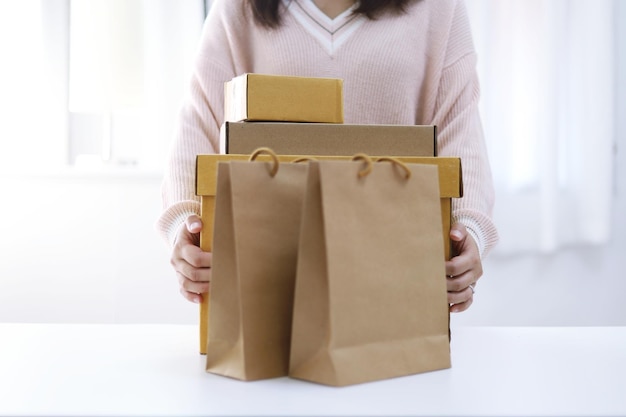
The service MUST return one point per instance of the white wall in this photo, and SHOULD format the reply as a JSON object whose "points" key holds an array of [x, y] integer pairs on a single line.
{"points": [[85, 250], [577, 286]]}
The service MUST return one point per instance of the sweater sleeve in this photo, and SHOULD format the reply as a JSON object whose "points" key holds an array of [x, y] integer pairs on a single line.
{"points": [[460, 132], [200, 117]]}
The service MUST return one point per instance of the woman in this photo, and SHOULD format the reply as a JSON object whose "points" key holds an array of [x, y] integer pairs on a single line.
{"points": [[402, 62]]}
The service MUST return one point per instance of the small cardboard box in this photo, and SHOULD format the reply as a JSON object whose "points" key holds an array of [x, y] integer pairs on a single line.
{"points": [[450, 186], [260, 97], [328, 139]]}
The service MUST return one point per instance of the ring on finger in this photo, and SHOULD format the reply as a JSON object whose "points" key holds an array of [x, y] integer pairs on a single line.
{"points": [[471, 287]]}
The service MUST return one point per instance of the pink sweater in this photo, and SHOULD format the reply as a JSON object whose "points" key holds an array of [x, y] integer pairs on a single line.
{"points": [[411, 68]]}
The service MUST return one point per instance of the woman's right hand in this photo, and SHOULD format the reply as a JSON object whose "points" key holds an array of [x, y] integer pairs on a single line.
{"points": [[192, 265]]}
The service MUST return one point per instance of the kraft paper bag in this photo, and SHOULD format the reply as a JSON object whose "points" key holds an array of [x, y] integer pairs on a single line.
{"points": [[258, 209], [370, 298]]}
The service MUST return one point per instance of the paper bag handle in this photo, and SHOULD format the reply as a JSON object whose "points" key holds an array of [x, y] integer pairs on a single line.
{"points": [[269, 152], [303, 159], [398, 163], [368, 164]]}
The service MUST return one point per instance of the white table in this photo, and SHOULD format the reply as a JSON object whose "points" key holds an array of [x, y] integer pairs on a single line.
{"points": [[139, 370]]}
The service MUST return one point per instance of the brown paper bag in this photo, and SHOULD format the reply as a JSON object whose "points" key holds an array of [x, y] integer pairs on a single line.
{"points": [[257, 221], [370, 299]]}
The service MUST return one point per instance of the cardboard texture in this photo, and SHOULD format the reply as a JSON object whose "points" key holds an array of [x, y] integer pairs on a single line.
{"points": [[261, 97], [450, 186], [370, 300], [328, 139], [254, 266]]}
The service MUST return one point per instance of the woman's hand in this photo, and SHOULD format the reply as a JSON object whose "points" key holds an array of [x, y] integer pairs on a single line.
{"points": [[192, 265], [463, 270]]}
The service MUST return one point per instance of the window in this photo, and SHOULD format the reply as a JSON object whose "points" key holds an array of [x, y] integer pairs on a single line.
{"points": [[93, 82], [548, 70]]}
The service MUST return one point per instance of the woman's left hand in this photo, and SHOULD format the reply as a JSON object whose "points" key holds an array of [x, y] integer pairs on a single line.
{"points": [[463, 270]]}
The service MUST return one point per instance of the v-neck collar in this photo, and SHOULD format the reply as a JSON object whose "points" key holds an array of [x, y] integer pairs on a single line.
{"points": [[331, 33]]}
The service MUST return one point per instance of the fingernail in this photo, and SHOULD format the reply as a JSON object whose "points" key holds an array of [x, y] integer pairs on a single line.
{"points": [[195, 225]]}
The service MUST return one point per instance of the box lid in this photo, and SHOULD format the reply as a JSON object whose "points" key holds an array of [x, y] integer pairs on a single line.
{"points": [[450, 171]]}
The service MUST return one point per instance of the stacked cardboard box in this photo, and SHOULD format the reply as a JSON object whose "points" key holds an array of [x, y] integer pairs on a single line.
{"points": [[328, 139], [300, 116], [304, 116], [260, 97]]}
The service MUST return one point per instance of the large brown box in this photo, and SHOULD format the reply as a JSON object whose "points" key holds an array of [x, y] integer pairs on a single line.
{"points": [[450, 186], [328, 139], [261, 97]]}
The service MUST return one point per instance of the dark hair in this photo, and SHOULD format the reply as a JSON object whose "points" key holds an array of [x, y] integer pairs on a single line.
{"points": [[267, 12]]}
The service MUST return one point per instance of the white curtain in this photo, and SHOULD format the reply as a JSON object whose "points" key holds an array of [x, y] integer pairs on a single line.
{"points": [[547, 72], [106, 55], [30, 99], [127, 60], [131, 61]]}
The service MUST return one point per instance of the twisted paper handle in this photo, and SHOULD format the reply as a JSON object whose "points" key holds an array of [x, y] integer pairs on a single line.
{"points": [[303, 159], [368, 164], [269, 152], [397, 163]]}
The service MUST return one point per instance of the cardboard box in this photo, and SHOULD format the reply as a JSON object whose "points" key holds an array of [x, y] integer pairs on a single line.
{"points": [[260, 97], [328, 139], [450, 186]]}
